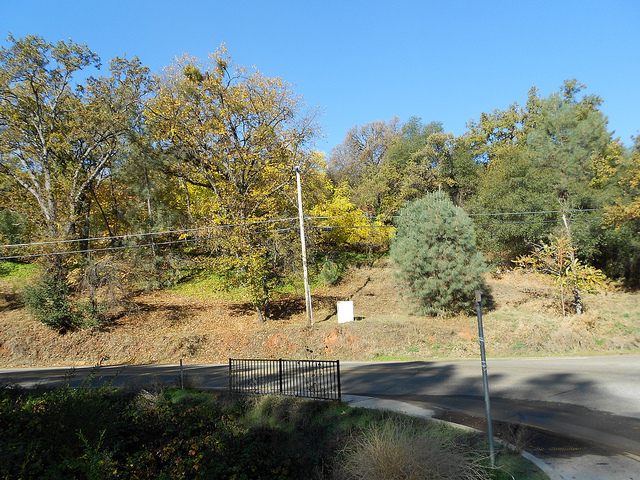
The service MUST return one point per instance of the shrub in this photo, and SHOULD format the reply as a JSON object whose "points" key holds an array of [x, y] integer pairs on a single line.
{"points": [[435, 250], [48, 302], [13, 227], [397, 450], [557, 259], [330, 273]]}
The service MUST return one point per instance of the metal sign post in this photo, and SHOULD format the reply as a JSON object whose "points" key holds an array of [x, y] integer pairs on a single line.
{"points": [[485, 378]]}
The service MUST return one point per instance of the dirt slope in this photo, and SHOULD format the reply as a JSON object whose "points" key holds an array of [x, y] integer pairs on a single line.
{"points": [[164, 327]]}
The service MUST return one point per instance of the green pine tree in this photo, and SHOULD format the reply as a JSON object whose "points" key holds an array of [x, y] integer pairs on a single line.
{"points": [[436, 253]]}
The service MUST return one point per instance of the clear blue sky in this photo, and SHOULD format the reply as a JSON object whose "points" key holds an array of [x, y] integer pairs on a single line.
{"points": [[361, 61]]}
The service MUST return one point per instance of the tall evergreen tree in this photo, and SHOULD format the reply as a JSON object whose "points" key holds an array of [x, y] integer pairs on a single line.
{"points": [[552, 156], [435, 250]]}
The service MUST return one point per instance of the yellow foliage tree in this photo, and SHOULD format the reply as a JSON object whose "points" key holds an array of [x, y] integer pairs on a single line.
{"points": [[238, 135], [344, 224], [557, 259], [58, 138], [627, 207]]}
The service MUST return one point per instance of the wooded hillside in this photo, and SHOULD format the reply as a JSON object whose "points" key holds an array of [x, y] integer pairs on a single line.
{"points": [[137, 179]]}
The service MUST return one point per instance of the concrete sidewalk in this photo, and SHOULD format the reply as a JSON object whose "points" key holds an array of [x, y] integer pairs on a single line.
{"points": [[584, 467]]}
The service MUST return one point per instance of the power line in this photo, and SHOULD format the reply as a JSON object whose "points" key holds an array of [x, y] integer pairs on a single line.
{"points": [[530, 213], [531, 222], [114, 237], [90, 250], [145, 234], [351, 226], [518, 223], [261, 222]]}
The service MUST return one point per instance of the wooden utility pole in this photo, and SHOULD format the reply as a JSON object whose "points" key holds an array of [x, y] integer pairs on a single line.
{"points": [[305, 270]]}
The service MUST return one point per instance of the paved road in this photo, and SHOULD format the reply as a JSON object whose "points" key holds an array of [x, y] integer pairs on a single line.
{"points": [[594, 398]]}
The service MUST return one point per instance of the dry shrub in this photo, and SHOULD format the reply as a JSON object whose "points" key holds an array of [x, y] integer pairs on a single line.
{"points": [[147, 400], [573, 336], [624, 342], [285, 411], [191, 344], [103, 280], [588, 321], [396, 450], [532, 336]]}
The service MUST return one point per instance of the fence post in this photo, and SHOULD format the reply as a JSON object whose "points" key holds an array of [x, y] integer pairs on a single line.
{"points": [[280, 374], [338, 374]]}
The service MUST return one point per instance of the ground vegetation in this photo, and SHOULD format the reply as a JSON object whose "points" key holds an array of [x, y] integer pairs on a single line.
{"points": [[159, 432]]}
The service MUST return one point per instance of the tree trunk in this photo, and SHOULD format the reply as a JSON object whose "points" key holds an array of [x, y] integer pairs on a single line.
{"points": [[262, 315], [577, 297], [84, 242], [577, 300]]}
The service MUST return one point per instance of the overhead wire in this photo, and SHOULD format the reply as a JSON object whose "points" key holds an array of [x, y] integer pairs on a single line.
{"points": [[145, 234], [531, 213], [227, 226], [91, 250]]}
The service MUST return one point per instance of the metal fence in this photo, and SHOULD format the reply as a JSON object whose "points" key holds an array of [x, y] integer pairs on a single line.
{"points": [[300, 378]]}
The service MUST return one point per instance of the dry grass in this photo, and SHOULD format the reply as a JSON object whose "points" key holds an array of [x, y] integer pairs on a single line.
{"points": [[396, 450], [165, 326]]}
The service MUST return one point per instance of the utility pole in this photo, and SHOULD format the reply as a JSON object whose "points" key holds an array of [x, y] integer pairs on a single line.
{"points": [[305, 270]]}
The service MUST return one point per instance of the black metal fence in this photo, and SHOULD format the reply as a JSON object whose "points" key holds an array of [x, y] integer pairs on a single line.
{"points": [[300, 378]]}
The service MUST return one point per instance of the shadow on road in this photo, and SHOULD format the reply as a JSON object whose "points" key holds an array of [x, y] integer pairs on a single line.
{"points": [[530, 413]]}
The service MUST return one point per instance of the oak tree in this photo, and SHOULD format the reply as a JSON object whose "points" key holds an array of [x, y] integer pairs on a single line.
{"points": [[57, 137], [238, 134]]}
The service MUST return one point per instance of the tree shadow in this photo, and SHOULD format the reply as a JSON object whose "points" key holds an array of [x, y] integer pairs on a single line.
{"points": [[286, 307], [543, 413], [488, 300], [279, 308], [13, 302], [173, 314]]}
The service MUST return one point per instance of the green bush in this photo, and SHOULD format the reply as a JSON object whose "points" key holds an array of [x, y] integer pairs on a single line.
{"points": [[14, 228], [48, 302], [435, 250], [330, 273]]}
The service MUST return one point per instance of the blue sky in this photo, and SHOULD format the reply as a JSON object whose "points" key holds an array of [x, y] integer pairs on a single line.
{"points": [[361, 61]]}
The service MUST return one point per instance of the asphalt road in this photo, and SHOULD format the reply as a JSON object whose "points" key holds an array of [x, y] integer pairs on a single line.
{"points": [[591, 398]]}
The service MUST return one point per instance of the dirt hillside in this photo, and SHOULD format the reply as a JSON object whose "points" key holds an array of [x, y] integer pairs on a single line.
{"points": [[522, 318]]}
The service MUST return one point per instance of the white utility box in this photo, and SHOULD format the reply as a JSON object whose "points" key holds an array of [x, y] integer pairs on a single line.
{"points": [[345, 312]]}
